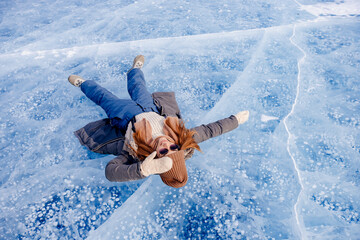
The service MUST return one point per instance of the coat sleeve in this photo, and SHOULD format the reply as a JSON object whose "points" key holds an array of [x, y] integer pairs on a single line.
{"points": [[206, 131], [120, 169]]}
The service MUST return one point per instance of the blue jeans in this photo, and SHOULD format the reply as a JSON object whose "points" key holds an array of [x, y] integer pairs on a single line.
{"points": [[121, 111]]}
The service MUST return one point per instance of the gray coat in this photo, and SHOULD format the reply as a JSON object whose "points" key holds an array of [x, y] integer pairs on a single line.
{"points": [[101, 137]]}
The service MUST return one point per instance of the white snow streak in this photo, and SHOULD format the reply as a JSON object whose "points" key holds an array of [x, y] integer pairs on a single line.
{"points": [[265, 118], [337, 8]]}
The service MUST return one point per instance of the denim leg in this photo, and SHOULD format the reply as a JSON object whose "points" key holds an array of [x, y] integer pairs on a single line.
{"points": [[138, 91], [122, 110]]}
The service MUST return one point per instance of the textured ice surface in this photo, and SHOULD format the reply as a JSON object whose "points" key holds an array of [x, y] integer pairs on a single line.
{"points": [[291, 172]]}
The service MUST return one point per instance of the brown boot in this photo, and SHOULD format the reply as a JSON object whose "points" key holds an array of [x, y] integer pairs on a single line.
{"points": [[76, 80], [138, 62]]}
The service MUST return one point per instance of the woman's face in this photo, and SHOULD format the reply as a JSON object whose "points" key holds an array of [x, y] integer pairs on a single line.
{"points": [[165, 147]]}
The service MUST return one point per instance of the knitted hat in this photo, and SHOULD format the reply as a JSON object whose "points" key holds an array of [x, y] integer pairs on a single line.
{"points": [[177, 176]]}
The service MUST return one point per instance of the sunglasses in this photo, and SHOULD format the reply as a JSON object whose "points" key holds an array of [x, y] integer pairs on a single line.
{"points": [[173, 147]]}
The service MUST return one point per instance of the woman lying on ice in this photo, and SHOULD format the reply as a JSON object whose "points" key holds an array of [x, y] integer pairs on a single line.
{"points": [[146, 133]]}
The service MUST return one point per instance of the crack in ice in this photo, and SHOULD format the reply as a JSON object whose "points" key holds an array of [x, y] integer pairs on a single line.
{"points": [[290, 137], [71, 51]]}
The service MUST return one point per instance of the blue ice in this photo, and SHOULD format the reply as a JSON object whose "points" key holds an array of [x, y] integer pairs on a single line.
{"points": [[291, 172]]}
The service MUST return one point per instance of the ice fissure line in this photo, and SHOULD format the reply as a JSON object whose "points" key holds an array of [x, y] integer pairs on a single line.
{"points": [[125, 44], [290, 137]]}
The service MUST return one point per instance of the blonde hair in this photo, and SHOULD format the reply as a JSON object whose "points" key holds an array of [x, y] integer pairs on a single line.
{"points": [[183, 138]]}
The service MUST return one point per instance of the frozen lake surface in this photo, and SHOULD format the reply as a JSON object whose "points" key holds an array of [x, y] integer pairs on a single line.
{"points": [[291, 172]]}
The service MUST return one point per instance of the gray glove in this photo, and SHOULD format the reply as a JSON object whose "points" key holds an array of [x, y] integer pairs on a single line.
{"points": [[242, 117], [155, 166]]}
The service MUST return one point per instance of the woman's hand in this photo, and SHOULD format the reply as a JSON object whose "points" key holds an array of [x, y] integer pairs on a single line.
{"points": [[242, 117], [155, 166]]}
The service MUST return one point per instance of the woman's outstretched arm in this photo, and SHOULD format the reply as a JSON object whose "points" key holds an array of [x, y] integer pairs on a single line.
{"points": [[206, 131]]}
